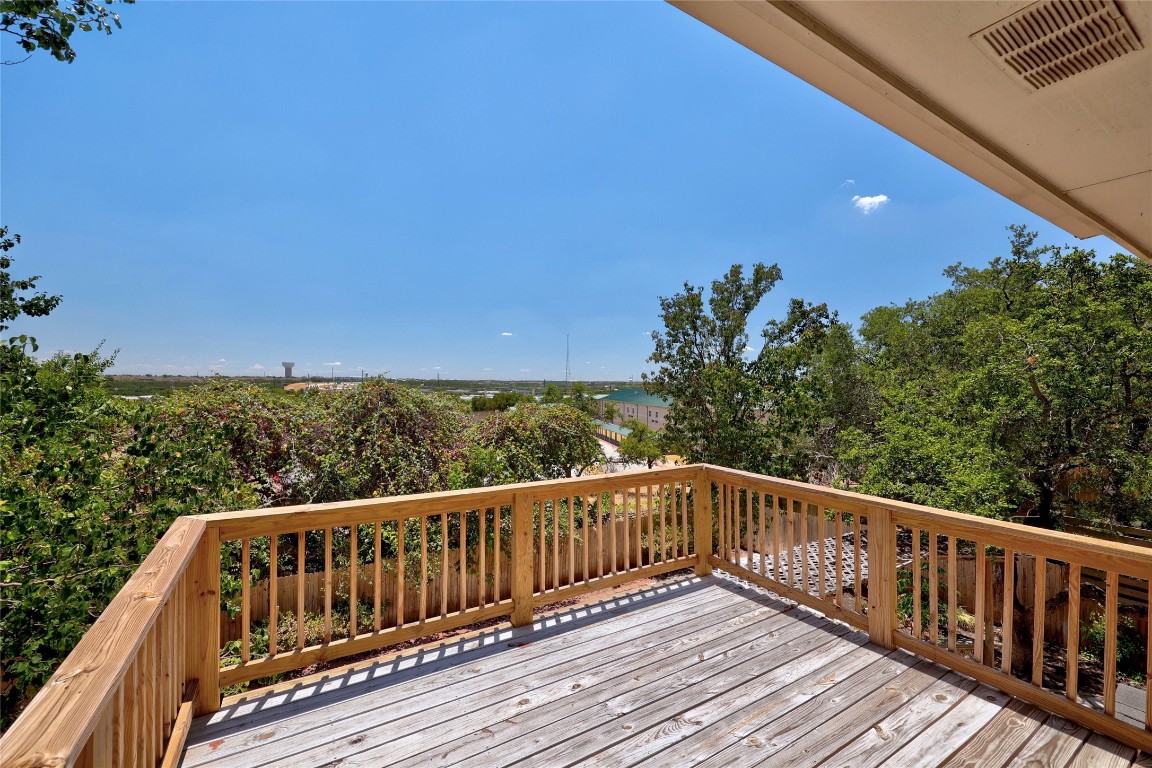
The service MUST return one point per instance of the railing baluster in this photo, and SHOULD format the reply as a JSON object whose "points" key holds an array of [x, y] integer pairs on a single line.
{"points": [[556, 544], [301, 577], [353, 580], [585, 533], [990, 607], [1007, 616], [786, 533], [611, 530], [497, 552], [401, 577], [273, 594], [148, 652], [442, 582], [327, 584], [734, 511], [839, 601], [541, 549], [129, 745], [599, 523], [377, 577], [952, 592], [684, 519], [762, 536], [423, 568], [858, 593], [1148, 664], [751, 526], [245, 602], [1039, 579], [802, 510], [571, 540], [933, 588], [981, 605], [1111, 630], [639, 519], [822, 534], [482, 560], [463, 561], [917, 587], [722, 519], [119, 726], [1072, 636], [659, 505]]}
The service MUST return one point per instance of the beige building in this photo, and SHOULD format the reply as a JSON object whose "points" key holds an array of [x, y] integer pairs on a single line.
{"points": [[636, 404]]}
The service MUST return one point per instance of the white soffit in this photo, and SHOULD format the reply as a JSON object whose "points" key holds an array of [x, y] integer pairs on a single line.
{"points": [[1073, 144]]}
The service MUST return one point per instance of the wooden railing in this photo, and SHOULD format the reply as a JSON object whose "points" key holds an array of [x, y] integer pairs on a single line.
{"points": [[129, 688], [410, 566], [892, 569], [231, 598]]}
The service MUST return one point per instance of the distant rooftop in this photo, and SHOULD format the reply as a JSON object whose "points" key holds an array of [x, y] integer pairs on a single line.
{"points": [[637, 397]]}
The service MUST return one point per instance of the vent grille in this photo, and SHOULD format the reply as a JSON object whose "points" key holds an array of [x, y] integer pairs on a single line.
{"points": [[1053, 40]]}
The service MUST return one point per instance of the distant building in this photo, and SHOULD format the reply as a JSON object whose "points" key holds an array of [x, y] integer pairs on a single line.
{"points": [[636, 404]]}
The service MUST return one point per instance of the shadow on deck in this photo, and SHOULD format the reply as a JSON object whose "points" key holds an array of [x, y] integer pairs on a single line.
{"points": [[694, 671]]}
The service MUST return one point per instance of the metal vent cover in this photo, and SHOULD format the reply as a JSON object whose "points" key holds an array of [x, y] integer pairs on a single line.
{"points": [[1053, 40]]}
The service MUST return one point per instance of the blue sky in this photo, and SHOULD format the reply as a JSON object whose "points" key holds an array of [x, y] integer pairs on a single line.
{"points": [[448, 188]]}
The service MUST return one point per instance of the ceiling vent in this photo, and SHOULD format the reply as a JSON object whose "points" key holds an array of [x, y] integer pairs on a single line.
{"points": [[1053, 40]]}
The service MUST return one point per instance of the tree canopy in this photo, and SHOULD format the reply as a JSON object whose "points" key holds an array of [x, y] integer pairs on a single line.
{"points": [[643, 445], [49, 24]]}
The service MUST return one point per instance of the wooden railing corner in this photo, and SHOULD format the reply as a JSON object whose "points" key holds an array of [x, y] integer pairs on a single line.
{"points": [[881, 577], [702, 514]]}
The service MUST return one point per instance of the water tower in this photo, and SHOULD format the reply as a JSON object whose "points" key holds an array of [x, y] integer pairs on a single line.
{"points": [[287, 369]]}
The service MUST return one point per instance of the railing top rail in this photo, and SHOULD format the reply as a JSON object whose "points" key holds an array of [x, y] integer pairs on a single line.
{"points": [[54, 727], [1133, 560], [261, 522]]}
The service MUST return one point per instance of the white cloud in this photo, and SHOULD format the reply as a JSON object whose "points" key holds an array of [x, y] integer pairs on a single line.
{"points": [[487, 369], [436, 368], [869, 204], [507, 333], [525, 370], [847, 182], [332, 364], [256, 367]]}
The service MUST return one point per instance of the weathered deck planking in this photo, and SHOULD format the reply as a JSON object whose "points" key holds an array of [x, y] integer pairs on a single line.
{"points": [[698, 671]]}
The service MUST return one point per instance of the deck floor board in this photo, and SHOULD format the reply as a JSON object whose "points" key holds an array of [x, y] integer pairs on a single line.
{"points": [[694, 671]]}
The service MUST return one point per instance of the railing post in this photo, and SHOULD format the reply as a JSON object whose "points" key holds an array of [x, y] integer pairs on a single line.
{"points": [[881, 577], [202, 649], [702, 521], [523, 574]]}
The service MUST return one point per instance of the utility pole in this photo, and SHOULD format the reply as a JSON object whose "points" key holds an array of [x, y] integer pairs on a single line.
{"points": [[567, 358]]}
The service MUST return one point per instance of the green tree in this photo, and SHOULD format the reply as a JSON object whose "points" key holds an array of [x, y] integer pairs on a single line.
{"points": [[552, 394], [719, 395], [580, 398], [49, 24], [1026, 388], [14, 298], [643, 445], [537, 442]]}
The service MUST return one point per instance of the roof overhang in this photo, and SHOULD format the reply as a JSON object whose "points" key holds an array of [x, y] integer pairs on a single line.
{"points": [[1077, 152]]}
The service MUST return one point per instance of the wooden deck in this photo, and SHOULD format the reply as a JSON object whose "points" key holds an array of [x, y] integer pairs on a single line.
{"points": [[695, 671]]}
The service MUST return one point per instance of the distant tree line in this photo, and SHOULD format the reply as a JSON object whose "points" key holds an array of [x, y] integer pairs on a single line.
{"points": [[1024, 389]]}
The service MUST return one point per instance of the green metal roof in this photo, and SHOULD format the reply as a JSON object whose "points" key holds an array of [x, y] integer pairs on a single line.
{"points": [[637, 397], [622, 431]]}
